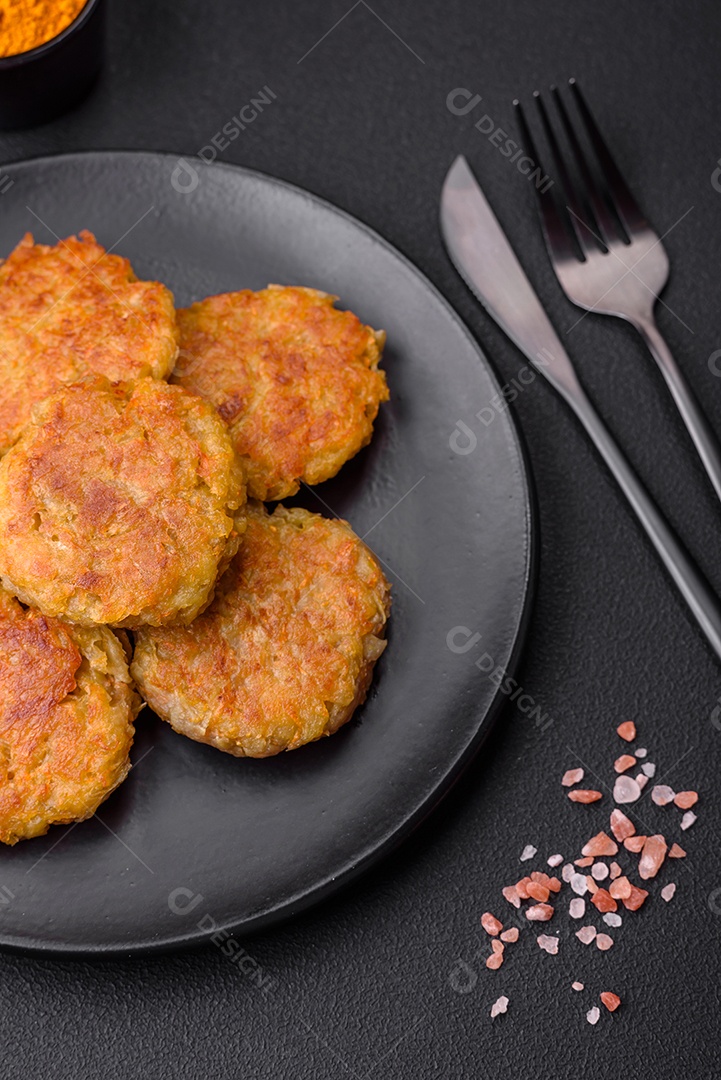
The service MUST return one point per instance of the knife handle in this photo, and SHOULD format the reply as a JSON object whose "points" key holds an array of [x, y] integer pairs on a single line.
{"points": [[689, 580]]}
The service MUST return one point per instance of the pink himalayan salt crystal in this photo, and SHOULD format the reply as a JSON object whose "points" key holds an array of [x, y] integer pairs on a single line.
{"points": [[567, 872], [662, 794], [589, 796], [491, 924], [593, 1015], [615, 871], [511, 934], [612, 919], [497, 945], [667, 891], [676, 852], [652, 856], [572, 776], [621, 826], [579, 884], [586, 934], [624, 762], [641, 780], [528, 852], [599, 871], [510, 893], [641, 752], [494, 961], [577, 986], [687, 820], [686, 799], [539, 913], [600, 844], [626, 790], [554, 860], [548, 944], [604, 942], [649, 769], [577, 908], [627, 730], [499, 1006]]}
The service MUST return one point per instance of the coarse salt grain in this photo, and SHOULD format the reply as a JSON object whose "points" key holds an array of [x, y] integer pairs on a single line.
{"points": [[511, 934], [627, 730], [599, 871], [641, 752], [600, 844], [577, 986], [548, 944], [567, 872], [611, 1001], [539, 913], [621, 888], [578, 884], [652, 856], [491, 924], [641, 780], [494, 961], [497, 946], [621, 826], [667, 891], [572, 776], [636, 899], [603, 901], [586, 934], [603, 942], [528, 852], [662, 794], [554, 860], [499, 1006], [587, 860], [593, 1015], [612, 919], [615, 871], [510, 892], [649, 769], [626, 790], [634, 843], [676, 852], [686, 799], [577, 908], [687, 820], [624, 762], [588, 796]]}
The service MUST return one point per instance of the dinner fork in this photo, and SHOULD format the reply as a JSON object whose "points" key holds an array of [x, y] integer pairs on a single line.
{"points": [[606, 256]]}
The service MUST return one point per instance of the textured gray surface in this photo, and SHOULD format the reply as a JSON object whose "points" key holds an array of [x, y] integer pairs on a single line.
{"points": [[361, 985]]}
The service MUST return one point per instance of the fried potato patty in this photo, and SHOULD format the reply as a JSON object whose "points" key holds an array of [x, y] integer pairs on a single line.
{"points": [[67, 707], [70, 310], [296, 380], [285, 652], [116, 504]]}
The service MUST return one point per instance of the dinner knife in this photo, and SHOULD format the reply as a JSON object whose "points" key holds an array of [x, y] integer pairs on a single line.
{"points": [[483, 256]]}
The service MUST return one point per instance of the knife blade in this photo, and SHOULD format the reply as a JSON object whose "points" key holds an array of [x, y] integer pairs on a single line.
{"points": [[488, 264]]}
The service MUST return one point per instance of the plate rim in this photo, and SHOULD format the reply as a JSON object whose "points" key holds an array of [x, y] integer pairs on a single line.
{"points": [[287, 909]]}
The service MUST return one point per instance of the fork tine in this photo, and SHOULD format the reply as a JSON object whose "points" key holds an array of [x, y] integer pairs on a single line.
{"points": [[625, 205], [607, 226], [584, 231], [554, 229]]}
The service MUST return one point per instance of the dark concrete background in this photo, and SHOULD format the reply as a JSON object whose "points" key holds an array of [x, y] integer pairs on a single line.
{"points": [[364, 985]]}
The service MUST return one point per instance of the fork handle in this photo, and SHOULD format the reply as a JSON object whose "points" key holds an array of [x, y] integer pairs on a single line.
{"points": [[691, 583], [694, 418]]}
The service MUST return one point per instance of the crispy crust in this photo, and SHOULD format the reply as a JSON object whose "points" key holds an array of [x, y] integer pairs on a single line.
{"points": [[67, 707], [296, 380], [285, 653], [71, 310], [116, 504]]}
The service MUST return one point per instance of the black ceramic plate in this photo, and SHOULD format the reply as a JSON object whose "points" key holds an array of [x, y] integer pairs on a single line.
{"points": [[195, 838]]}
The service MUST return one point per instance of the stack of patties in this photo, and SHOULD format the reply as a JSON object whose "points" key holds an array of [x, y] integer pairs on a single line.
{"points": [[123, 507]]}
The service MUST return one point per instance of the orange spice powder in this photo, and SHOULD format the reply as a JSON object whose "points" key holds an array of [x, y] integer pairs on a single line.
{"points": [[25, 24]]}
